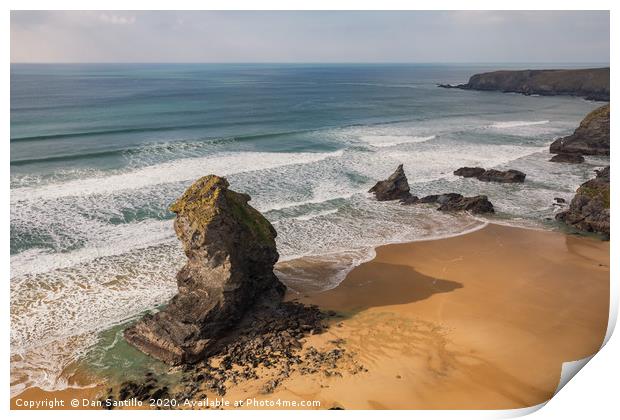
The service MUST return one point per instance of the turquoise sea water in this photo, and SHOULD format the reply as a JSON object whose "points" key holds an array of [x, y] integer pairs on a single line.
{"points": [[98, 152]]}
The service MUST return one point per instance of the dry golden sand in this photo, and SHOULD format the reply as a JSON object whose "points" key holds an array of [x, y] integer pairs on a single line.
{"points": [[479, 321]]}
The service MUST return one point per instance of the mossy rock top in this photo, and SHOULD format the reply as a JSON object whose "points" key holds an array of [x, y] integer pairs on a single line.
{"points": [[596, 191], [599, 113], [209, 197]]}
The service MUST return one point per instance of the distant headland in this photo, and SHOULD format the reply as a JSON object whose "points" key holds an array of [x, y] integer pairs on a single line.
{"points": [[592, 84]]}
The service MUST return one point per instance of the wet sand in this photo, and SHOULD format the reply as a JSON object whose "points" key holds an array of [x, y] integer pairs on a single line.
{"points": [[479, 321]]}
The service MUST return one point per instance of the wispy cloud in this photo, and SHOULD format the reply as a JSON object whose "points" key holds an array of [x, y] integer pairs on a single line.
{"points": [[311, 36], [117, 19]]}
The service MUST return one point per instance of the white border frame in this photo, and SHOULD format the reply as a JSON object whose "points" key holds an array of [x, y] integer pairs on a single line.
{"points": [[593, 394]]}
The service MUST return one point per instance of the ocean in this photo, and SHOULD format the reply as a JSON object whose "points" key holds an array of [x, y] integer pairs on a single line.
{"points": [[99, 152]]}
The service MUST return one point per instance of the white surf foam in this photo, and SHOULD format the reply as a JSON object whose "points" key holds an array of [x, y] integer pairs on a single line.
{"points": [[108, 240], [56, 316], [168, 172], [311, 216], [512, 124], [393, 140], [316, 199], [90, 296]]}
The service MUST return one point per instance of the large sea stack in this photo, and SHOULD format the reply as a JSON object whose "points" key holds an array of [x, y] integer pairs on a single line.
{"points": [[231, 252], [589, 209], [590, 138]]}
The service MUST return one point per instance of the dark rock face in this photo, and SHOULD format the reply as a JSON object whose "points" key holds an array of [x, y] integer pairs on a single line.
{"points": [[590, 138], [589, 209], [469, 172], [440, 198], [509, 176], [395, 187], [603, 174], [231, 252], [567, 158], [453, 202], [448, 86], [591, 84], [409, 200], [491, 175], [478, 205]]}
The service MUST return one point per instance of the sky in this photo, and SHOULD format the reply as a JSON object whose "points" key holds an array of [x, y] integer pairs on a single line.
{"points": [[310, 36]]}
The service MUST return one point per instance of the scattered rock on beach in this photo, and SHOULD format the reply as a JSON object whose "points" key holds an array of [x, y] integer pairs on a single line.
{"points": [[567, 158], [589, 209], [395, 187], [267, 345], [491, 175], [140, 390]]}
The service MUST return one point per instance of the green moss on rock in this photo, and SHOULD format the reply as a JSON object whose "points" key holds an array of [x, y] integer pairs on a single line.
{"points": [[600, 113], [250, 217], [209, 196], [596, 193], [199, 202]]}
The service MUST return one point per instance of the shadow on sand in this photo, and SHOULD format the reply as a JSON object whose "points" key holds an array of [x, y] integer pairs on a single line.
{"points": [[380, 284]]}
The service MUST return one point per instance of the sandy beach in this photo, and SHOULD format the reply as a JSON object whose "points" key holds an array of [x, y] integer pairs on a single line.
{"points": [[479, 321]]}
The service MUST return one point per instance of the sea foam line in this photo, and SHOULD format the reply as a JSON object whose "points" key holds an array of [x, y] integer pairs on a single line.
{"points": [[168, 172], [512, 124], [118, 240], [378, 140]]}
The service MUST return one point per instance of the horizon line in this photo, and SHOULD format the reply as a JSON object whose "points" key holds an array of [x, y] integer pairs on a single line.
{"points": [[311, 62]]}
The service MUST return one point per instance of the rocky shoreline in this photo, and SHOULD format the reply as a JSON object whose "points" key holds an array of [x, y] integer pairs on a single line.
{"points": [[590, 138], [589, 209]]}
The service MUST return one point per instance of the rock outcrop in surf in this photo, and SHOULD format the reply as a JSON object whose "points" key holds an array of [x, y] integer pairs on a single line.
{"points": [[396, 187], [592, 84], [491, 175], [453, 202], [469, 172], [589, 209], [590, 138], [231, 252], [567, 158]]}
